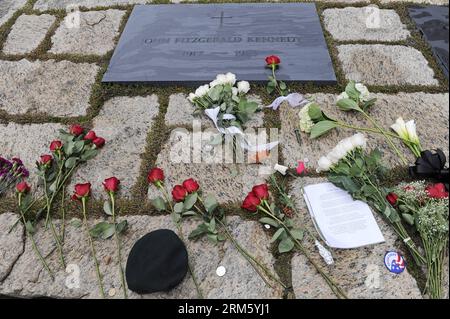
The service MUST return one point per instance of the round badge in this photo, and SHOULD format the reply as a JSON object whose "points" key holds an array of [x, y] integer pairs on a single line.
{"points": [[394, 262], [221, 271]]}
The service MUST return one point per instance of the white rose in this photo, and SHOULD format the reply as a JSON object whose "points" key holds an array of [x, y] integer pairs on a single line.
{"points": [[342, 96], [363, 91], [359, 140], [234, 91], [347, 145], [243, 87], [221, 79], [230, 78], [192, 97], [202, 90], [412, 133], [324, 164], [337, 153]]}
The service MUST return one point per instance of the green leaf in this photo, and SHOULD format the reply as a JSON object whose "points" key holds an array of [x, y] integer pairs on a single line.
{"points": [[71, 162], [68, 148], [29, 227], [189, 213], [76, 223], [322, 127], [314, 112], [297, 234], [107, 208], [102, 230], [122, 226], [159, 204], [269, 221], [212, 226], [199, 231], [178, 208], [285, 245], [89, 154], [216, 92], [282, 85], [210, 203], [277, 234], [78, 146], [190, 201], [408, 218], [213, 238], [348, 105]]}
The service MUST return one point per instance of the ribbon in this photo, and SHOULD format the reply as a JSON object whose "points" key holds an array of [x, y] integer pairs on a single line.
{"points": [[324, 253], [431, 165], [294, 100], [233, 130]]}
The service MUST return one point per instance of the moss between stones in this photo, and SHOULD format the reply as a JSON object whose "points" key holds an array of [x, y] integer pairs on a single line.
{"points": [[158, 135]]}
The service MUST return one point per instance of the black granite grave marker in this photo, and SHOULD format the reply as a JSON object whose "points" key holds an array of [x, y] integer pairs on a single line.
{"points": [[189, 44], [432, 21]]}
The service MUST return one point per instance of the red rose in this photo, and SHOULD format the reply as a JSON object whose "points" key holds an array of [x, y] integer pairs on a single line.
{"points": [[91, 136], [179, 193], [437, 191], [55, 146], [23, 187], [99, 142], [251, 202], [191, 185], [82, 190], [301, 168], [76, 130], [46, 159], [392, 198], [273, 60], [111, 184], [261, 191], [155, 175]]}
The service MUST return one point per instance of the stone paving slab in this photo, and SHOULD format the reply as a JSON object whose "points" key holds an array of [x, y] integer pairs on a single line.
{"points": [[445, 2], [240, 281], [180, 113], [27, 33], [95, 35], [28, 142], [227, 179], [8, 8], [60, 89], [11, 244], [124, 122], [385, 65], [360, 272], [62, 4], [352, 24], [422, 107]]}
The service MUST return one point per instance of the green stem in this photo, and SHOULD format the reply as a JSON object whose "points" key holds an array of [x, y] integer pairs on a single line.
{"points": [[119, 253], [91, 243], [333, 286], [33, 242], [389, 140], [63, 218], [276, 81]]}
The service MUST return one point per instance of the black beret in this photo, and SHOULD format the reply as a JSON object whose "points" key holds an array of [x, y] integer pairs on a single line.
{"points": [[157, 262]]}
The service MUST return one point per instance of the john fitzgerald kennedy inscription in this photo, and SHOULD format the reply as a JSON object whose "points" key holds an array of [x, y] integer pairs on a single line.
{"points": [[189, 44]]}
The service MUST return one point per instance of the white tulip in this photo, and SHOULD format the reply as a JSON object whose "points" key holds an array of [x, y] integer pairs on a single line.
{"points": [[412, 133], [202, 90], [234, 91], [243, 87], [342, 96], [192, 97], [363, 91], [324, 164], [400, 128], [281, 169], [230, 78]]}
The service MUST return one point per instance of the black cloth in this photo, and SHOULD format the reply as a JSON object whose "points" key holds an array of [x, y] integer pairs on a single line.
{"points": [[157, 262], [431, 164]]}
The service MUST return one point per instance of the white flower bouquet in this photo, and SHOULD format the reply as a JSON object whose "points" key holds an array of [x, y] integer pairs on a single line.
{"points": [[230, 96]]}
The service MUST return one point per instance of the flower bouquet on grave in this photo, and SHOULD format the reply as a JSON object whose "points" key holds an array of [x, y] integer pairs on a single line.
{"points": [[11, 172], [357, 98], [359, 172], [287, 235], [225, 102], [426, 207], [189, 203]]}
